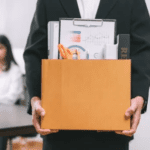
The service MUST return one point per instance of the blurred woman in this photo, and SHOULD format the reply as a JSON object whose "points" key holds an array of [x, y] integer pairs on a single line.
{"points": [[11, 84]]}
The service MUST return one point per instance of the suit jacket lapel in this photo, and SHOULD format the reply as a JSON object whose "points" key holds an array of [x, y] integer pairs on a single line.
{"points": [[104, 8], [71, 8]]}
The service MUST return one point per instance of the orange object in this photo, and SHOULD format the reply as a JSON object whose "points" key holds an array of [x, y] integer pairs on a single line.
{"points": [[86, 94], [67, 53]]}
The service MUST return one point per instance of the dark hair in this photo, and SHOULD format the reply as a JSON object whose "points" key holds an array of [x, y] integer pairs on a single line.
{"points": [[9, 56]]}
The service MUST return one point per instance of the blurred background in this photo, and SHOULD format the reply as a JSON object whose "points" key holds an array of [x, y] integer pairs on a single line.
{"points": [[15, 21]]}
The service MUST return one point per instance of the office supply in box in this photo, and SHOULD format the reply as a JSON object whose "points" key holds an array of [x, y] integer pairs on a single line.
{"points": [[86, 94], [53, 36], [66, 53], [110, 51], [123, 46], [87, 36], [120, 50]]}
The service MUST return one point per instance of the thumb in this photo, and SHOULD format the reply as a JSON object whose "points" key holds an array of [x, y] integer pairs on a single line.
{"points": [[130, 111], [40, 111]]}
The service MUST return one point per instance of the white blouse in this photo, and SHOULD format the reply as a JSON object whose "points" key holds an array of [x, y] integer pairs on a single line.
{"points": [[88, 8], [11, 85]]}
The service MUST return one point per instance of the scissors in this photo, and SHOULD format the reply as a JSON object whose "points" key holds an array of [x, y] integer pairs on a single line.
{"points": [[66, 53]]}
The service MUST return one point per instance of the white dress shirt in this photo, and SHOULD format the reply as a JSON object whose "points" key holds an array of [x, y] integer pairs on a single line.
{"points": [[88, 8], [11, 85]]}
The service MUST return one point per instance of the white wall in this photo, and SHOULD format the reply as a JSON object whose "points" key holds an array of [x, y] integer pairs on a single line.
{"points": [[15, 20], [148, 4]]}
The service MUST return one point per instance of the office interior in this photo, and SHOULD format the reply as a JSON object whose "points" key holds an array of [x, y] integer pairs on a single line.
{"points": [[15, 21]]}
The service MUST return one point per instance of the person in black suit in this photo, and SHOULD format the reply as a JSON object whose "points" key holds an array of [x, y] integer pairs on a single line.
{"points": [[132, 18]]}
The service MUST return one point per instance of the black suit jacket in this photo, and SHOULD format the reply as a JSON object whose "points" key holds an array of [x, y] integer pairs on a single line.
{"points": [[132, 18]]}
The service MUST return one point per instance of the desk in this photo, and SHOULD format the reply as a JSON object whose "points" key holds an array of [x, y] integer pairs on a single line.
{"points": [[15, 121]]}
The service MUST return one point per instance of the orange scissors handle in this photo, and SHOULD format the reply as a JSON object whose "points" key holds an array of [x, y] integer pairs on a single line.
{"points": [[67, 53]]}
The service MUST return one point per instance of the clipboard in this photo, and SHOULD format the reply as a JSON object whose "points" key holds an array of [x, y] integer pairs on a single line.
{"points": [[88, 36]]}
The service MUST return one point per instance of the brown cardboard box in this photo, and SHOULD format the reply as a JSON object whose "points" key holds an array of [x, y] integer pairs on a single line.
{"points": [[86, 94]]}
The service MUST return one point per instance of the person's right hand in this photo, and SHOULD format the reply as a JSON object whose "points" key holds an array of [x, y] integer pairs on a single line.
{"points": [[38, 114]]}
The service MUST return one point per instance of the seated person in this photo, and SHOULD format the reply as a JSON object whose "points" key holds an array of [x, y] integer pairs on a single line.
{"points": [[11, 84]]}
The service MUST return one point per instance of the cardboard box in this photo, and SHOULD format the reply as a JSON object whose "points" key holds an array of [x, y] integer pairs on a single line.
{"points": [[86, 94]]}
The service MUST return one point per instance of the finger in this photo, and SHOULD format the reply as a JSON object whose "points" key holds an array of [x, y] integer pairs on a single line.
{"points": [[134, 125], [136, 120], [48, 131], [38, 127], [45, 131], [37, 114], [40, 111], [118, 132], [128, 132], [36, 118], [54, 130], [123, 133], [130, 111], [36, 122]]}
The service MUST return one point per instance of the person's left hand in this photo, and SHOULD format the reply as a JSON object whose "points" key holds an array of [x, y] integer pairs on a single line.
{"points": [[135, 111]]}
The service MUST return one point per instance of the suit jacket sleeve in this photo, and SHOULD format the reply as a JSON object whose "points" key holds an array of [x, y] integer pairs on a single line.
{"points": [[36, 49], [140, 42]]}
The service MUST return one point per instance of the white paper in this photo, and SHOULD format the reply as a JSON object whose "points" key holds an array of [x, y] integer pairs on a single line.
{"points": [[89, 40]]}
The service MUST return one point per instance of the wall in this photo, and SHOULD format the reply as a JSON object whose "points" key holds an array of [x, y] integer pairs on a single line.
{"points": [[148, 4], [15, 20]]}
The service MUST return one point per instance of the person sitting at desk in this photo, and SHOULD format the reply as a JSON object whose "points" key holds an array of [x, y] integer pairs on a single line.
{"points": [[11, 84]]}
